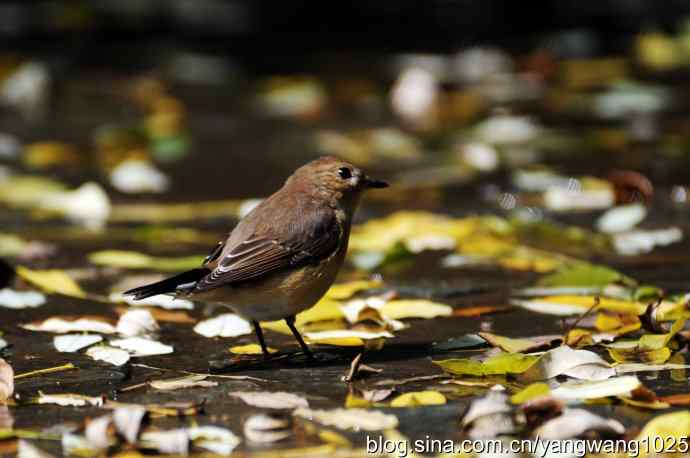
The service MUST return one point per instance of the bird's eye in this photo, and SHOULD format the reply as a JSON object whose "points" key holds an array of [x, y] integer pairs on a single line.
{"points": [[345, 173]]}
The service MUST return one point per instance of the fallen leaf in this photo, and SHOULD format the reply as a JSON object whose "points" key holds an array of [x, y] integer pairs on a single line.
{"points": [[249, 349], [352, 419], [418, 398], [225, 325], [574, 305], [564, 360], [489, 416], [70, 343], [97, 433], [581, 275], [621, 218], [531, 392], [87, 205], [345, 337], [188, 381], [414, 308], [576, 422], [12, 299], [615, 386], [127, 420], [174, 441], [139, 346], [271, 400], [64, 325], [643, 241], [161, 300], [75, 445], [52, 281], [512, 345], [218, 440], [26, 449], [267, 428], [135, 176], [6, 381], [503, 363], [69, 399], [136, 323], [114, 356], [671, 430], [135, 260]]}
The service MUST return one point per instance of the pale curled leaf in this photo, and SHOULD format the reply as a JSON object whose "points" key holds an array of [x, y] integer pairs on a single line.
{"points": [[114, 356], [70, 399], [70, 343], [615, 386], [136, 323], [225, 325], [353, 419], [267, 428], [139, 346], [60, 325], [218, 440], [574, 363], [271, 400], [174, 441], [188, 381], [127, 420], [12, 299], [160, 300], [96, 432], [574, 423]]}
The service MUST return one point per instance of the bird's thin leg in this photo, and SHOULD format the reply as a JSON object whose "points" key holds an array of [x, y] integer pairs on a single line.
{"points": [[260, 338], [291, 324]]}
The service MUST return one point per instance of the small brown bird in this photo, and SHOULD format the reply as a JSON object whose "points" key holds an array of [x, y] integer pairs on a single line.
{"points": [[282, 257]]}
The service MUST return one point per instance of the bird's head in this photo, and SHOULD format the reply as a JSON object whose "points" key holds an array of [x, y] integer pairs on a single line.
{"points": [[334, 177]]}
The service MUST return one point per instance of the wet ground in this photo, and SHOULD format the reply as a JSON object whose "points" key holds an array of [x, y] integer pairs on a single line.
{"points": [[236, 153]]}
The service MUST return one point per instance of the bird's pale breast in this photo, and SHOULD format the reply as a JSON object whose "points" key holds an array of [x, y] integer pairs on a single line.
{"points": [[282, 294]]}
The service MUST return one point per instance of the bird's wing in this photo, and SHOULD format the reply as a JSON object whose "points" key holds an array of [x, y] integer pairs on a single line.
{"points": [[258, 256]]}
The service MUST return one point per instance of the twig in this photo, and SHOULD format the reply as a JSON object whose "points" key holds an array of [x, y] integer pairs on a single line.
{"points": [[231, 377], [597, 300], [66, 367]]}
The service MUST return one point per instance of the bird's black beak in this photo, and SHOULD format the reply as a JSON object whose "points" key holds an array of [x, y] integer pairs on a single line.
{"points": [[371, 183]]}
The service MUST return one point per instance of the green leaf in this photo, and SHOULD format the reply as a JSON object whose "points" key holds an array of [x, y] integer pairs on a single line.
{"points": [[582, 274]]}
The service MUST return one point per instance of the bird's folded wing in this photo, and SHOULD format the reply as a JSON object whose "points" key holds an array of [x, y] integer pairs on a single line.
{"points": [[259, 256]]}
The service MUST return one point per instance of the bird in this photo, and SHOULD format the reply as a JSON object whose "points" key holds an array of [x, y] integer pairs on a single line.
{"points": [[283, 255]]}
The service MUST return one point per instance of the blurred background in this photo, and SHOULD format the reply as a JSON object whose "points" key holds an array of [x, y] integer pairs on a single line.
{"points": [[494, 102]]}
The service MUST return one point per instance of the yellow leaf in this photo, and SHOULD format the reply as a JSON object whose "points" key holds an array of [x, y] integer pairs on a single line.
{"points": [[133, 260], [619, 324], [249, 349], [341, 291], [508, 344], [414, 308], [418, 398], [532, 391], [636, 354], [380, 235], [585, 302], [28, 191], [504, 363], [51, 281], [671, 430], [579, 338]]}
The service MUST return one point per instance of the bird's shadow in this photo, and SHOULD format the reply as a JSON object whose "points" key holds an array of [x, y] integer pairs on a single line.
{"points": [[323, 357]]}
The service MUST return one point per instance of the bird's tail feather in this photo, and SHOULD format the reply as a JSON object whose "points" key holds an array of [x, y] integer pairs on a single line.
{"points": [[169, 285]]}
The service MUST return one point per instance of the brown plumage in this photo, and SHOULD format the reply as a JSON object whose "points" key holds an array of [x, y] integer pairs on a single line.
{"points": [[283, 256]]}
